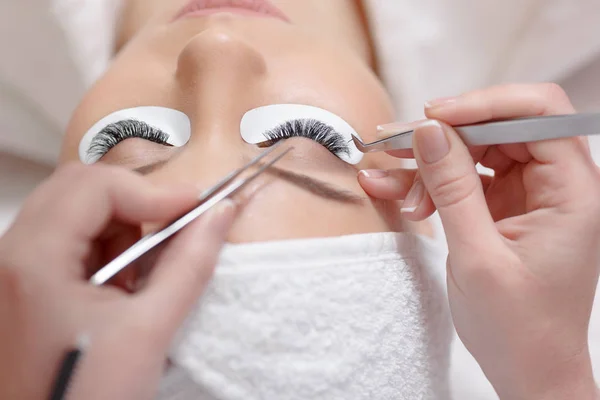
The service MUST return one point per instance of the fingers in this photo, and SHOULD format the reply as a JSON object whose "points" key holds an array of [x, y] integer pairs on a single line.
{"points": [[184, 268], [514, 101], [449, 175], [501, 102], [497, 160], [506, 102], [568, 161], [399, 184], [418, 204], [403, 184], [79, 201], [64, 216]]}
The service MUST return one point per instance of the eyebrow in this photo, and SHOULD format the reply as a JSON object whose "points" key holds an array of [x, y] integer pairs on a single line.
{"points": [[317, 187], [146, 169]]}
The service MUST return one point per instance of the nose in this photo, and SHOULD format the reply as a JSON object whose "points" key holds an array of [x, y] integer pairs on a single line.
{"points": [[220, 77], [219, 73]]}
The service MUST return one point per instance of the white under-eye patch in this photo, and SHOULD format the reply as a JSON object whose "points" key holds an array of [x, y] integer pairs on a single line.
{"points": [[174, 123], [258, 122]]}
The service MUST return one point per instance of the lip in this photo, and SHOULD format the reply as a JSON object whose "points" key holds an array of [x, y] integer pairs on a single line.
{"points": [[256, 8]]}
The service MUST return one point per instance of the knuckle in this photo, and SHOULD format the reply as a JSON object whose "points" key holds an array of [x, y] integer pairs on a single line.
{"points": [[454, 189]]}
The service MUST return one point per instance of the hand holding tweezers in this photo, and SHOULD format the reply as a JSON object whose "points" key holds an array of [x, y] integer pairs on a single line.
{"points": [[208, 199], [518, 130]]}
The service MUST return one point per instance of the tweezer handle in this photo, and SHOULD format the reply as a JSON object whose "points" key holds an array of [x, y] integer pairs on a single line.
{"points": [[530, 129], [520, 130]]}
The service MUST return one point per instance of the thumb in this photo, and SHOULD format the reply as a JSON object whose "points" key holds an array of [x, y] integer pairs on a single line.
{"points": [[448, 172], [186, 265]]}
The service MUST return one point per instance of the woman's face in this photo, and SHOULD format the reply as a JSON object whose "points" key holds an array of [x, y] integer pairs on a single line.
{"points": [[216, 68]]}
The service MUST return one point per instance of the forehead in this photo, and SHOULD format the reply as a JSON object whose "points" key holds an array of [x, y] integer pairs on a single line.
{"points": [[318, 74]]}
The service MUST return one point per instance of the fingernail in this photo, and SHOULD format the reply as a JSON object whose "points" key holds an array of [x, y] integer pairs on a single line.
{"points": [[374, 173], [431, 142], [441, 102], [413, 198]]}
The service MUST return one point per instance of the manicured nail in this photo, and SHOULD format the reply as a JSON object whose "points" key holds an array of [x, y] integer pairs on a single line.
{"points": [[441, 102], [374, 173], [431, 141], [413, 198]]}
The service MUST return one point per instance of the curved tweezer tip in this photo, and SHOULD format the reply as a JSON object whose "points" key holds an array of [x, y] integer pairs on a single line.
{"points": [[402, 140], [359, 143]]}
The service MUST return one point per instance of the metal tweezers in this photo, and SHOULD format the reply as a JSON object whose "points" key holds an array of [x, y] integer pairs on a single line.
{"points": [[208, 199], [518, 130]]}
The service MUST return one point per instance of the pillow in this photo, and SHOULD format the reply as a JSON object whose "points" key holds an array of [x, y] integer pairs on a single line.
{"points": [[51, 53]]}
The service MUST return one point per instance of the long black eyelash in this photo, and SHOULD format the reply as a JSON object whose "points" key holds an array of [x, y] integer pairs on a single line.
{"points": [[115, 133], [311, 129]]}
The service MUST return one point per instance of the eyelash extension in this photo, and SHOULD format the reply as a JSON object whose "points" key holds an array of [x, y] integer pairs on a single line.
{"points": [[115, 133], [311, 129]]}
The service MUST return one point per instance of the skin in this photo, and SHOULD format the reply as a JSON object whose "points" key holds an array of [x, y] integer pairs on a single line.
{"points": [[218, 67]]}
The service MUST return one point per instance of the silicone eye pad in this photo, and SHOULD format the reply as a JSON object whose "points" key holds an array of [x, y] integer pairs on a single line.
{"points": [[172, 122], [257, 122]]}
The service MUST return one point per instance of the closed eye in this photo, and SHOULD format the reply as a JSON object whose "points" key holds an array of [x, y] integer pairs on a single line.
{"points": [[313, 129], [115, 133]]}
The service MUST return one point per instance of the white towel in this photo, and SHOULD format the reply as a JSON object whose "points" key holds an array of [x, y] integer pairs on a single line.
{"points": [[355, 317]]}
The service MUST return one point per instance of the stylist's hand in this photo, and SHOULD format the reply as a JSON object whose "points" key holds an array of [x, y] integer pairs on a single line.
{"points": [[524, 246], [69, 227]]}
